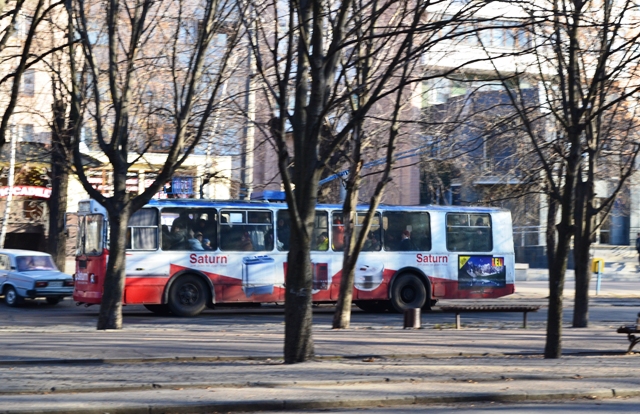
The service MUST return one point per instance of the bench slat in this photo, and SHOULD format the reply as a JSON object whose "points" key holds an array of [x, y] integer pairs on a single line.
{"points": [[490, 308]]}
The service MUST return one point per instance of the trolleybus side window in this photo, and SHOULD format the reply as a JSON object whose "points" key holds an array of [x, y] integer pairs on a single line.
{"points": [[407, 231], [283, 230], [373, 240], [142, 230], [469, 232], [246, 230], [93, 235], [194, 229], [319, 237]]}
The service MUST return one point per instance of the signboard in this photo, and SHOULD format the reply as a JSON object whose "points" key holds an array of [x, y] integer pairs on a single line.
{"points": [[180, 185], [26, 191]]}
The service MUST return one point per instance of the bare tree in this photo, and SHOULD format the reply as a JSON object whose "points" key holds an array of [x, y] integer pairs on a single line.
{"points": [[306, 54], [447, 29], [20, 22], [141, 58], [584, 63]]}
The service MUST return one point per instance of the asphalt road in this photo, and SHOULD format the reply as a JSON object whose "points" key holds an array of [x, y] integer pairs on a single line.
{"points": [[37, 313]]}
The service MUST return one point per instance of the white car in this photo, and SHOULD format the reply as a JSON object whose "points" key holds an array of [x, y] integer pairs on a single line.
{"points": [[30, 274]]}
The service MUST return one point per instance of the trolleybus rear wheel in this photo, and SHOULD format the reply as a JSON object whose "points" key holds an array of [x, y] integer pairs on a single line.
{"points": [[188, 296], [408, 292]]}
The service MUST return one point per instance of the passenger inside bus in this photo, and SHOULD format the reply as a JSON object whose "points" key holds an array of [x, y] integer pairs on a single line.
{"points": [[184, 221], [195, 242], [481, 239], [283, 234], [268, 240], [390, 241], [406, 244], [338, 234], [178, 238], [322, 242], [245, 242], [372, 243]]}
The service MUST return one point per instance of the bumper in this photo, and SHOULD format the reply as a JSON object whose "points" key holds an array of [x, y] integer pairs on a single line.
{"points": [[47, 293]]}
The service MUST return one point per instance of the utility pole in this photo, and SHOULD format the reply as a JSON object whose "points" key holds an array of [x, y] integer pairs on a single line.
{"points": [[12, 168], [246, 164]]}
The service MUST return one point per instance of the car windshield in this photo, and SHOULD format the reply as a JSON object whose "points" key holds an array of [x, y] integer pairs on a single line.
{"points": [[27, 263]]}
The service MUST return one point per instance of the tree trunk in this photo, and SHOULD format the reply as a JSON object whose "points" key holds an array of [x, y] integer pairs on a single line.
{"points": [[558, 238], [57, 240], [342, 314], [111, 306], [298, 316], [582, 244], [582, 276], [553, 346]]}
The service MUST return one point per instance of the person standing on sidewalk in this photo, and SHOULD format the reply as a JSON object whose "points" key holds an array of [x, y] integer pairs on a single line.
{"points": [[638, 247]]}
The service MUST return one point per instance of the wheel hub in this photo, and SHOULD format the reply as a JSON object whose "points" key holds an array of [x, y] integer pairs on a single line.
{"points": [[188, 294], [408, 294]]}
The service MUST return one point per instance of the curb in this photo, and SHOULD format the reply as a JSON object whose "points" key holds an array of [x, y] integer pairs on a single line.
{"points": [[306, 404]]}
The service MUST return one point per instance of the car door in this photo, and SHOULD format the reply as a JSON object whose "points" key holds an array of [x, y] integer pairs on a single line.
{"points": [[5, 266]]}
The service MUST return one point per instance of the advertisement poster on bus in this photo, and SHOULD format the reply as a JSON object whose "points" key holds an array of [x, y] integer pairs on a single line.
{"points": [[481, 271]]}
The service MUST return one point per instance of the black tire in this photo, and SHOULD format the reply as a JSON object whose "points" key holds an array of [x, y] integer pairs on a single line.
{"points": [[373, 306], [53, 301], [408, 292], [159, 309], [188, 296], [11, 297]]}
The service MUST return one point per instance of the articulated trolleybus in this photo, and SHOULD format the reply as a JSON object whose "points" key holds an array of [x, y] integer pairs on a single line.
{"points": [[184, 255]]}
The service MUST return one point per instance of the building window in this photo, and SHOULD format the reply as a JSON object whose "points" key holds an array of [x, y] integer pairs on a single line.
{"points": [[28, 82], [26, 133]]}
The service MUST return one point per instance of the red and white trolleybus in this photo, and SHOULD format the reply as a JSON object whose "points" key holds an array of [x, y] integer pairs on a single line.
{"points": [[184, 255]]}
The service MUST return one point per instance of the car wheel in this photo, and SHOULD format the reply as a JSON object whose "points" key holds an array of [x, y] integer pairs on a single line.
{"points": [[159, 309], [53, 301], [11, 297], [188, 296], [408, 293]]}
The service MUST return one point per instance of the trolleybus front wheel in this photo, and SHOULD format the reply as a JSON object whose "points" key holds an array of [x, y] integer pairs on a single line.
{"points": [[188, 296], [408, 292]]}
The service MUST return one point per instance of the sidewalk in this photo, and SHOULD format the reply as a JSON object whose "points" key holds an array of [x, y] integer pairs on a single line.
{"points": [[233, 368]]}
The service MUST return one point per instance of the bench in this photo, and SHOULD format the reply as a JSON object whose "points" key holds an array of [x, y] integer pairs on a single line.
{"points": [[630, 330], [490, 308]]}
